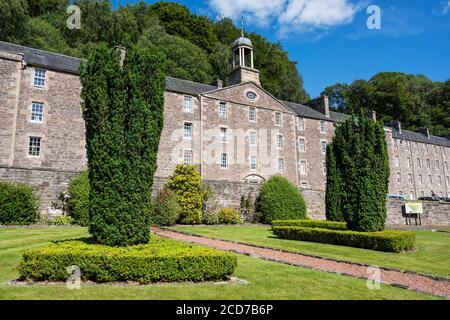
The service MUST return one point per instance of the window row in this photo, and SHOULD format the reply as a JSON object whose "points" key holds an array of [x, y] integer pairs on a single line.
{"points": [[411, 194], [421, 179], [301, 125], [302, 145], [304, 171], [420, 163], [411, 146], [223, 111], [188, 159]]}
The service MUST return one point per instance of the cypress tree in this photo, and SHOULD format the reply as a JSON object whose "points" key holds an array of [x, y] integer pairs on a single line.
{"points": [[333, 195], [359, 182], [122, 108]]}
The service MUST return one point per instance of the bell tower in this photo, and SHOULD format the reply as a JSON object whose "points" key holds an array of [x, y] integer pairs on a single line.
{"points": [[243, 63]]}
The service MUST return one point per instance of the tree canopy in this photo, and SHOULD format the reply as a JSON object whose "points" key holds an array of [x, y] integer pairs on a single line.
{"points": [[414, 100], [196, 47]]}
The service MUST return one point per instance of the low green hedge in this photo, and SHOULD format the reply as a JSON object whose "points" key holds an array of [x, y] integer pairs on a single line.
{"points": [[333, 225], [160, 260], [388, 240]]}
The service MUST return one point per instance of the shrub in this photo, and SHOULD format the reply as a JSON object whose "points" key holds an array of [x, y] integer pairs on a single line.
{"points": [[229, 216], [210, 202], [187, 184], [18, 204], [61, 221], [388, 240], [167, 210], [333, 225], [279, 199], [210, 218], [248, 209], [78, 201], [123, 104], [160, 260]]}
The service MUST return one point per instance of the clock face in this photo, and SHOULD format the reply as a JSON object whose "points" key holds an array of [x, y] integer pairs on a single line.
{"points": [[251, 95]]}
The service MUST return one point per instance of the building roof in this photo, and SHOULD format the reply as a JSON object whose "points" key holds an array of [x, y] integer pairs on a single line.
{"points": [[69, 64], [305, 111], [338, 117], [187, 87], [419, 137], [242, 41], [46, 59]]}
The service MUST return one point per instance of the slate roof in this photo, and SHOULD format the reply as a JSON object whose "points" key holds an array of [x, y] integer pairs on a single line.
{"points": [[305, 111], [46, 59], [68, 64], [419, 137], [187, 87], [338, 117]]}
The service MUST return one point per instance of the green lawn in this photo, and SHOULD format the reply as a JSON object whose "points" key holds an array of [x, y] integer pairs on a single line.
{"points": [[266, 280], [432, 255]]}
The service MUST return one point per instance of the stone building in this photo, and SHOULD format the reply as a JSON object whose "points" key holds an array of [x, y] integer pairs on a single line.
{"points": [[238, 135]]}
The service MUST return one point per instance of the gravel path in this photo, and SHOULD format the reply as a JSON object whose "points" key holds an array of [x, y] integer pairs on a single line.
{"points": [[411, 281]]}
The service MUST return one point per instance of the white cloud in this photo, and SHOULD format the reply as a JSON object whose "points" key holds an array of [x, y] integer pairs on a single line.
{"points": [[290, 15], [446, 8]]}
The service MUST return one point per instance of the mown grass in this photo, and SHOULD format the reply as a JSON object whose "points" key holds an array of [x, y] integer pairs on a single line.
{"points": [[266, 280], [431, 255]]}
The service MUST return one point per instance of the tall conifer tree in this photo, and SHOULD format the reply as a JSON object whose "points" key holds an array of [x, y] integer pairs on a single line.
{"points": [[123, 110]]}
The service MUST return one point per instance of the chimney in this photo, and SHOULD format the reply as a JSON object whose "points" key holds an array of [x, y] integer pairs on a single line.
{"points": [[321, 104], [424, 131], [219, 84], [372, 115], [396, 125]]}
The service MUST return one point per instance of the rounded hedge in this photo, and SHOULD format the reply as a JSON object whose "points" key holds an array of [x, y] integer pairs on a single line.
{"points": [[279, 199], [18, 204], [167, 210], [79, 199]]}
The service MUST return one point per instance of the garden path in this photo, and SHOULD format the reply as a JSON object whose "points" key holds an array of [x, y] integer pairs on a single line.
{"points": [[407, 280]]}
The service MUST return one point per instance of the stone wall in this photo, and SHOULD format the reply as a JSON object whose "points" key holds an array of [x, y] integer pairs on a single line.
{"points": [[315, 203], [434, 213], [47, 183]]}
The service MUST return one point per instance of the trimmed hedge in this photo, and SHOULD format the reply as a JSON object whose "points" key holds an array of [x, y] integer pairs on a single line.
{"points": [[333, 225], [388, 240], [18, 204], [160, 260]]}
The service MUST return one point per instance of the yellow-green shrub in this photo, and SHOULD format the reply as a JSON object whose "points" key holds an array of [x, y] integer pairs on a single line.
{"points": [[229, 216], [187, 184], [160, 260]]}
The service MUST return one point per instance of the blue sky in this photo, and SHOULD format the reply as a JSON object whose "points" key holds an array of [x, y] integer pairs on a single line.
{"points": [[331, 42]]}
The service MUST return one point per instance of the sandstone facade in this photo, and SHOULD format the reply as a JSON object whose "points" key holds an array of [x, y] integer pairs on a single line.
{"points": [[238, 136]]}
